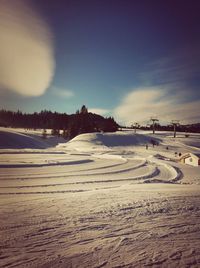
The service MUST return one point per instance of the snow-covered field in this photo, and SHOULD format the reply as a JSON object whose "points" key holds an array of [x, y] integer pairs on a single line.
{"points": [[100, 200]]}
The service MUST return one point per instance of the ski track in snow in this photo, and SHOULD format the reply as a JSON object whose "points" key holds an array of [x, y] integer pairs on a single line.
{"points": [[63, 176], [94, 206]]}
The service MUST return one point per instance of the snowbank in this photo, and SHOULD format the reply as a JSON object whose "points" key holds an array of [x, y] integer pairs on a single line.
{"points": [[11, 139], [103, 141]]}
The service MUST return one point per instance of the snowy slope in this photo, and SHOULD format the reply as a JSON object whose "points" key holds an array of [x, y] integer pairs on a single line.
{"points": [[100, 200], [103, 141], [13, 139]]}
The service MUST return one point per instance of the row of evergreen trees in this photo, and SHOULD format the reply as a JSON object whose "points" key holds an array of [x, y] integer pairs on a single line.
{"points": [[80, 122]]}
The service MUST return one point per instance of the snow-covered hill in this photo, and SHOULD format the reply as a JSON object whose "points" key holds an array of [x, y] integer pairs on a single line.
{"points": [[96, 141], [23, 139], [100, 200]]}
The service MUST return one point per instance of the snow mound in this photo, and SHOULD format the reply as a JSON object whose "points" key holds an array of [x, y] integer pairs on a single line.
{"points": [[10, 139], [103, 141], [85, 142]]}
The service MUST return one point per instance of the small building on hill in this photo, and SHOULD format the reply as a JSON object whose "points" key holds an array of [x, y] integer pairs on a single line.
{"points": [[192, 159]]}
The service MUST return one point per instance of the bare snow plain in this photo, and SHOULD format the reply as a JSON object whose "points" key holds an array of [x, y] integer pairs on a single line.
{"points": [[99, 200]]}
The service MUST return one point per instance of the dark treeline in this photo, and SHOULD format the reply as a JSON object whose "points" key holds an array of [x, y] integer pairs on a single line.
{"points": [[80, 122]]}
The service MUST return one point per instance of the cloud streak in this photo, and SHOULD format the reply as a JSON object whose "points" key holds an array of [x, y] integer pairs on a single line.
{"points": [[26, 49], [62, 93], [143, 103], [178, 69]]}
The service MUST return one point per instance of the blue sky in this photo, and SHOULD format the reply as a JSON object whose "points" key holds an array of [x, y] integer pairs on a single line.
{"points": [[130, 59]]}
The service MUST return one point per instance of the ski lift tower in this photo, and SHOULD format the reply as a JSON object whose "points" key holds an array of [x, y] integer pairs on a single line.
{"points": [[136, 124], [175, 123], [154, 120]]}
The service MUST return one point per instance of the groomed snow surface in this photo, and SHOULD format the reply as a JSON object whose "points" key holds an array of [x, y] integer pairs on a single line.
{"points": [[99, 200]]}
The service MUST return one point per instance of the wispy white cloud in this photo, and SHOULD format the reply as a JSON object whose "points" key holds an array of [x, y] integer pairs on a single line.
{"points": [[169, 90], [142, 103], [178, 69], [26, 49], [62, 92], [98, 111]]}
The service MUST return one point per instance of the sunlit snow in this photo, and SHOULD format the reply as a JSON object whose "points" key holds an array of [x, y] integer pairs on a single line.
{"points": [[100, 200]]}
